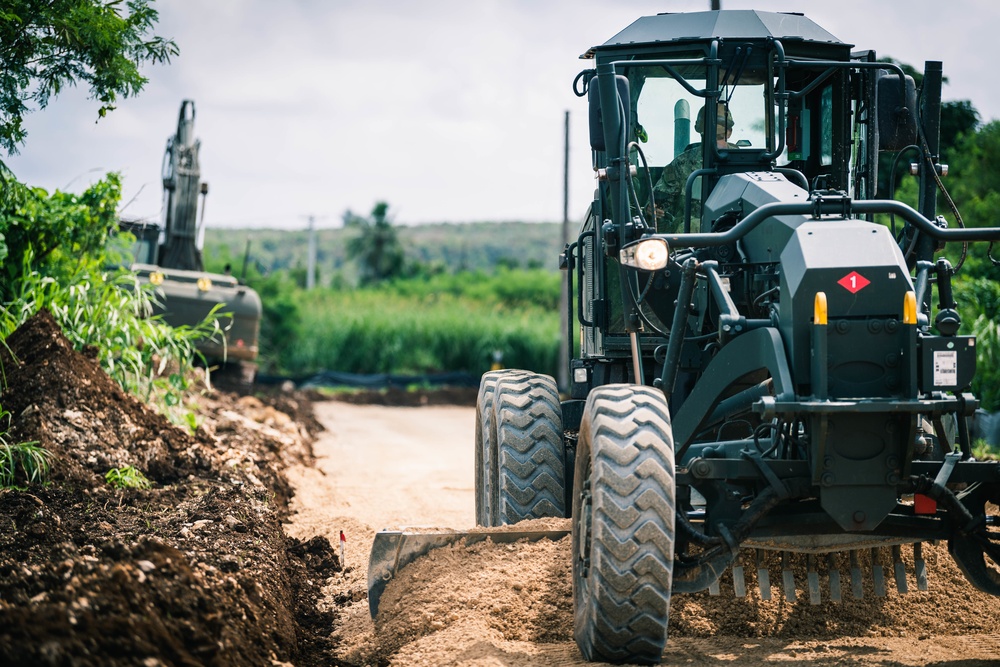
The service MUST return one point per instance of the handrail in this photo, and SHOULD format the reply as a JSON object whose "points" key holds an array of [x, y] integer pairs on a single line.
{"points": [[836, 207]]}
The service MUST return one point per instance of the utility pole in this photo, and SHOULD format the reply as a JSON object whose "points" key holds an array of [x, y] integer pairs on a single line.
{"points": [[311, 261], [564, 295], [716, 5], [311, 266]]}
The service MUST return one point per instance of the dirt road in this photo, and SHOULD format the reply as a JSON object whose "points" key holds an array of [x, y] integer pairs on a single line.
{"points": [[391, 467]]}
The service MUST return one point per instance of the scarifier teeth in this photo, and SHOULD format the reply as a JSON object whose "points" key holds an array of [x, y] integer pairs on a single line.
{"points": [[812, 578], [878, 574], [898, 569], [787, 577], [857, 589], [831, 562], [713, 588], [921, 566], [763, 577], [739, 582]]}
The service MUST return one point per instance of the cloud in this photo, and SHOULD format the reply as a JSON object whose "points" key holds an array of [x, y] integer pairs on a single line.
{"points": [[448, 110]]}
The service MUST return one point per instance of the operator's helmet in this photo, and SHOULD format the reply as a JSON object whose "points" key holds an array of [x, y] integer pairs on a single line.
{"points": [[724, 113]]}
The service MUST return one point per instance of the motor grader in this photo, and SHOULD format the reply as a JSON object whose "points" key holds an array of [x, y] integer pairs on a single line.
{"points": [[772, 363]]}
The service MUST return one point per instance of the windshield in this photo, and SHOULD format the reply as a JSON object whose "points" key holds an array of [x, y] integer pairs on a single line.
{"points": [[668, 114], [669, 122]]}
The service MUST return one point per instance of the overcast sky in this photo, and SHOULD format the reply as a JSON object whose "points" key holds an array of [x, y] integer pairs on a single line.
{"points": [[450, 110]]}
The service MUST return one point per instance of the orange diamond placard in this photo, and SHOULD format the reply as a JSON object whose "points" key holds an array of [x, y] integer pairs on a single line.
{"points": [[854, 282]]}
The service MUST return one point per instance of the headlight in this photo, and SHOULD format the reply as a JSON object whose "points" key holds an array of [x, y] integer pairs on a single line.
{"points": [[204, 284], [647, 254], [156, 278]]}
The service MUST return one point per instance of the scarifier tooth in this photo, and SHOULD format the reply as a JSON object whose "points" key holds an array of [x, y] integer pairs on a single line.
{"points": [[899, 570], [787, 577], [713, 588], [831, 563], [921, 566], [878, 574], [739, 582], [812, 578], [763, 577], [857, 589]]}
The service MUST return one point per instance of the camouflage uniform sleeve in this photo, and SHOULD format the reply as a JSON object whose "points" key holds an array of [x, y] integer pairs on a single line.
{"points": [[668, 193]]}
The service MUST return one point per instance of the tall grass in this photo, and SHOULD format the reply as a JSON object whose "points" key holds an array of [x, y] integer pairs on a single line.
{"points": [[381, 331]]}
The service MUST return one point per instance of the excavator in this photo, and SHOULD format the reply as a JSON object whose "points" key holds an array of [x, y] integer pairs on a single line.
{"points": [[171, 259]]}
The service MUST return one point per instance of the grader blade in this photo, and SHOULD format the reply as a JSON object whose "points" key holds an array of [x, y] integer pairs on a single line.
{"points": [[763, 576], [878, 574], [392, 550], [739, 581], [857, 588], [920, 566], [899, 570], [812, 579], [787, 577], [831, 562]]}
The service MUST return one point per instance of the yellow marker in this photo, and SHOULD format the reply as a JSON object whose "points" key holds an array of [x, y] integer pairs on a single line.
{"points": [[910, 308], [819, 309], [204, 284]]}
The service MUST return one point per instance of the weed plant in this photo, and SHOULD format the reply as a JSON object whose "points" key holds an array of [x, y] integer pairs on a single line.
{"points": [[127, 477], [21, 463]]}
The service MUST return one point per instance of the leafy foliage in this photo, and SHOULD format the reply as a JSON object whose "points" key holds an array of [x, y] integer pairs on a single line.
{"points": [[56, 233], [46, 45], [60, 260]]}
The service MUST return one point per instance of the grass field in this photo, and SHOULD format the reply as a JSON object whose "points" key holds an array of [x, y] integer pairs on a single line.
{"points": [[377, 331]]}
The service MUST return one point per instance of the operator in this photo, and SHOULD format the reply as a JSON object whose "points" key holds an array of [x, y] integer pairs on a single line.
{"points": [[668, 193]]}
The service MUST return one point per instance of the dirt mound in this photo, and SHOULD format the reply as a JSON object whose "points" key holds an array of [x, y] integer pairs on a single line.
{"points": [[62, 399], [194, 571]]}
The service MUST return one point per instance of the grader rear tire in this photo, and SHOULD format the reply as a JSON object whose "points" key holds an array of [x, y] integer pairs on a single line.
{"points": [[529, 464], [623, 525]]}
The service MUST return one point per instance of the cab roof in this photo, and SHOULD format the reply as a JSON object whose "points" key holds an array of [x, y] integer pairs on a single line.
{"points": [[722, 24]]}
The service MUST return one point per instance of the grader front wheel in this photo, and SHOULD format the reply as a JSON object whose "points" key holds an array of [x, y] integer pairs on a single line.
{"points": [[623, 525]]}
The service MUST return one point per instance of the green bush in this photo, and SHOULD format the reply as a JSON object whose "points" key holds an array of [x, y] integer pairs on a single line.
{"points": [[58, 258]]}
